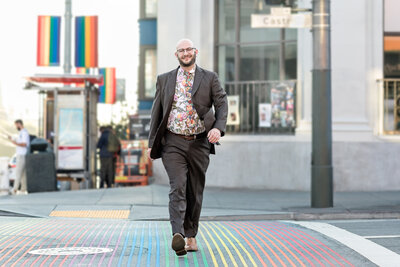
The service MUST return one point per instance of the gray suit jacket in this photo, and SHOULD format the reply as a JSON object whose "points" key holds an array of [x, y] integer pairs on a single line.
{"points": [[206, 92]]}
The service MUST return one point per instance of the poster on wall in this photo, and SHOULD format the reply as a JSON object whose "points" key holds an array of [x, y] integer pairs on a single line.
{"points": [[70, 140], [282, 105], [233, 110], [264, 113]]}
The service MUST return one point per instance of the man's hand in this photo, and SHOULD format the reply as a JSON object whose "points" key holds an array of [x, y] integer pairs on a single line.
{"points": [[11, 140], [214, 135], [148, 153]]}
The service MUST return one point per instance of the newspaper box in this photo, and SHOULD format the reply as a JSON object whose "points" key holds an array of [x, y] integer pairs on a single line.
{"points": [[133, 166]]}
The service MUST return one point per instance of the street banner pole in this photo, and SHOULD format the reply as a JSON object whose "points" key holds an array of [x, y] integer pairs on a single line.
{"points": [[321, 166], [67, 41]]}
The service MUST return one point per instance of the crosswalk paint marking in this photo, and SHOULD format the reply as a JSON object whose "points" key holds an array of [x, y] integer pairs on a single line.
{"points": [[381, 236], [370, 250]]}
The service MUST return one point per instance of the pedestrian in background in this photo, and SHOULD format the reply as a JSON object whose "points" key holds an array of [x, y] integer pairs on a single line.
{"points": [[22, 144], [109, 145], [183, 131], [114, 146], [106, 158]]}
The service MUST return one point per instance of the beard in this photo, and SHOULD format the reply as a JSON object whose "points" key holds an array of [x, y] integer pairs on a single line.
{"points": [[190, 63]]}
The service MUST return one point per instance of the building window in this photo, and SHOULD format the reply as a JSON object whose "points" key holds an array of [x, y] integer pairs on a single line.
{"points": [[248, 54], [391, 83], [148, 9], [258, 68], [150, 72], [392, 55]]}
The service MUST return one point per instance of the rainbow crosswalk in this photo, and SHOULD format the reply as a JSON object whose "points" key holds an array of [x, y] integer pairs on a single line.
{"points": [[144, 243]]}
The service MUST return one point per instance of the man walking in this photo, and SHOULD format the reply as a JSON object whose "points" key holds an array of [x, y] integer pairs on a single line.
{"points": [[183, 131], [22, 144]]}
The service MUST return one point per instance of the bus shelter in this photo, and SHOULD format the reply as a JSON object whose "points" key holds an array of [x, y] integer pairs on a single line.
{"points": [[69, 120]]}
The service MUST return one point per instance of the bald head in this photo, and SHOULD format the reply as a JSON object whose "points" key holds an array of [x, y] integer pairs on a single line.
{"points": [[183, 43]]}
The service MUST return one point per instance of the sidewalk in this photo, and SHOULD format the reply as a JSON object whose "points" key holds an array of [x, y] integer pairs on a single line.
{"points": [[151, 202]]}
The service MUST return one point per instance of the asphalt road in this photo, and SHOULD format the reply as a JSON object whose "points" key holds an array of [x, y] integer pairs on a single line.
{"points": [[383, 232], [64, 241]]}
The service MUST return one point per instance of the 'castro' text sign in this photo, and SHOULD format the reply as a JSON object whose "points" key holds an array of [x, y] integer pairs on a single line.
{"points": [[281, 21]]}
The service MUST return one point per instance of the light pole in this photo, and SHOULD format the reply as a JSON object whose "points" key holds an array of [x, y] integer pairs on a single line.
{"points": [[321, 166], [67, 41]]}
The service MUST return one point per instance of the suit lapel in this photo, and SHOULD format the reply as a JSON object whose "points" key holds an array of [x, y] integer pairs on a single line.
{"points": [[197, 79], [170, 89]]}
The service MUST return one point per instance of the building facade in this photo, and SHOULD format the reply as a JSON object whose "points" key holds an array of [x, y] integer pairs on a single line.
{"points": [[268, 76]]}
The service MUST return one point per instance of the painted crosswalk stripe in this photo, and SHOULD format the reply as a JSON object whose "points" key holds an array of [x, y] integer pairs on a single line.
{"points": [[121, 257], [157, 246], [271, 234], [132, 247], [236, 229], [230, 242], [216, 246], [141, 247], [381, 236], [320, 249], [203, 255], [166, 248], [209, 249], [224, 245], [305, 235], [370, 250], [240, 245], [310, 250]]}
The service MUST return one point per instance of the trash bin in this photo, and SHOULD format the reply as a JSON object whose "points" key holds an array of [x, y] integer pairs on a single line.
{"points": [[4, 181], [40, 167]]}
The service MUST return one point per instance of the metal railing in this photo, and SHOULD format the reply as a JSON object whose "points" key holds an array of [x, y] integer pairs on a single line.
{"points": [[261, 107], [391, 106]]}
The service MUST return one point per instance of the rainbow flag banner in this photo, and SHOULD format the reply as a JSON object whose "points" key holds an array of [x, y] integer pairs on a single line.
{"points": [[82, 71], [108, 88], [48, 42], [86, 41]]}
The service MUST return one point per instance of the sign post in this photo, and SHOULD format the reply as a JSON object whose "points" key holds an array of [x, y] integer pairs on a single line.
{"points": [[321, 165]]}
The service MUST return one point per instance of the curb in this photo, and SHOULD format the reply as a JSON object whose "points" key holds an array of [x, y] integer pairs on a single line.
{"points": [[296, 216]]}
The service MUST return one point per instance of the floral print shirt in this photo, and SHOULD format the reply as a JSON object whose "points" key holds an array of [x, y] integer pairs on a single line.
{"points": [[183, 118]]}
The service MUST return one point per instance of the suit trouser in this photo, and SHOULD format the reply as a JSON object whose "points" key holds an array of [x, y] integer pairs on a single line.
{"points": [[186, 163], [20, 174], [106, 171]]}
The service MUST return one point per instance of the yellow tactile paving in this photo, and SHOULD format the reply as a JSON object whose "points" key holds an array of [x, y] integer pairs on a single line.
{"points": [[107, 214]]}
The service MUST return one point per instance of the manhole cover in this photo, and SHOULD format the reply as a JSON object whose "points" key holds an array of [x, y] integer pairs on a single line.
{"points": [[70, 251]]}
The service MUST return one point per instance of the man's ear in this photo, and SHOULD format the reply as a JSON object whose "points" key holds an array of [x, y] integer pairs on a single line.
{"points": [[176, 55]]}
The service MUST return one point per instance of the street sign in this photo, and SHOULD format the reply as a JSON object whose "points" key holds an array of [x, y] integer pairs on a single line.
{"points": [[281, 19]]}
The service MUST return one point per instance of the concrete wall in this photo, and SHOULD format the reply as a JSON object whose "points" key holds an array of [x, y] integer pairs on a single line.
{"points": [[392, 22], [197, 24], [285, 164]]}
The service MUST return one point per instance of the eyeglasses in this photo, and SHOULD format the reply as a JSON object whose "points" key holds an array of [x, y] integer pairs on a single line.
{"points": [[189, 50]]}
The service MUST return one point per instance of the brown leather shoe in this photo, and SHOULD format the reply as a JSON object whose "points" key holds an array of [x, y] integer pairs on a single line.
{"points": [[191, 244], [178, 244]]}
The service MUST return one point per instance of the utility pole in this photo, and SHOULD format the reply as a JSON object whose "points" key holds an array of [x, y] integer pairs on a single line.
{"points": [[67, 41], [321, 166]]}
